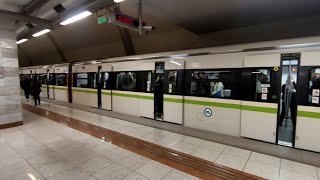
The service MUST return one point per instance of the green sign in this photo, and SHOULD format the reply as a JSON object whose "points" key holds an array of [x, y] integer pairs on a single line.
{"points": [[102, 19]]}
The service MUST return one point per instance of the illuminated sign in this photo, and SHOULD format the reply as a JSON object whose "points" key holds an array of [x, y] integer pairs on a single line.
{"points": [[124, 20], [102, 19]]}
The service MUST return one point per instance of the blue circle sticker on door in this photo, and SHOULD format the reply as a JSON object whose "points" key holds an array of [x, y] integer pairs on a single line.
{"points": [[207, 112]]}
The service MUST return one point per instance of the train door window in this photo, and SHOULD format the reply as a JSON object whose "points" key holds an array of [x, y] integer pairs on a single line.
{"points": [[288, 104], [126, 81], [172, 82], [93, 77], [314, 86], [60, 79], [82, 80], [217, 84], [52, 79], [149, 82], [262, 83], [106, 81]]}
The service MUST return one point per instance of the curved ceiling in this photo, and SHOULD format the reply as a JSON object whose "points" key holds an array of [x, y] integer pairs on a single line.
{"points": [[180, 24]]}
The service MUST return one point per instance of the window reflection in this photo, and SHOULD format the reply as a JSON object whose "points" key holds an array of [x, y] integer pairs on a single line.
{"points": [[60, 80], [172, 82], [126, 81], [42, 79], [82, 80], [262, 84]]}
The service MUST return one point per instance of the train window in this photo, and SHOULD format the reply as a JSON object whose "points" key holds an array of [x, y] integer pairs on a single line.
{"points": [[82, 80], [42, 79], [211, 84], [314, 86], [60, 80], [52, 79], [262, 84], [172, 82], [126, 81]]}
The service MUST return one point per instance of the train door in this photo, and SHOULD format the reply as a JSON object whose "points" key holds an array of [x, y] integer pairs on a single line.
{"points": [[173, 91], [260, 93], [99, 85], [51, 82], [158, 91], [47, 83], [287, 111], [107, 80]]}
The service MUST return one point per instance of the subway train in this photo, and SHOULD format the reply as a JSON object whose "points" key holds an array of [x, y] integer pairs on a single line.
{"points": [[266, 91]]}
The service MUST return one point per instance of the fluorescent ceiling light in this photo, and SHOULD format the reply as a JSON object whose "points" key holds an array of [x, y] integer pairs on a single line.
{"points": [[134, 58], [76, 18], [95, 62], [298, 45], [176, 63], [21, 41], [118, 1], [41, 33]]}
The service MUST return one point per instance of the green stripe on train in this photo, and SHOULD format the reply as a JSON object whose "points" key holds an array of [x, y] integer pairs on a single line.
{"points": [[260, 109], [60, 88], [308, 114], [173, 100], [215, 104], [84, 91], [133, 96]]}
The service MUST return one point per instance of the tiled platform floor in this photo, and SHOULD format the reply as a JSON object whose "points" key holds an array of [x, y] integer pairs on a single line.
{"points": [[45, 149]]}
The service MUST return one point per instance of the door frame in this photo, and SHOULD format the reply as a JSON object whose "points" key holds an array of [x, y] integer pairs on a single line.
{"points": [[99, 81], [293, 56]]}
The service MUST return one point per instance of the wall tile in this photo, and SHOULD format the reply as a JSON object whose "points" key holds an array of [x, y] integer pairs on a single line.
{"points": [[7, 34], [8, 53], [10, 71], [10, 81], [10, 109], [8, 43], [9, 90], [9, 62], [10, 100], [10, 118]]}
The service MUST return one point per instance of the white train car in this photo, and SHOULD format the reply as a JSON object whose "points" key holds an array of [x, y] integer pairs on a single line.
{"points": [[266, 91]]}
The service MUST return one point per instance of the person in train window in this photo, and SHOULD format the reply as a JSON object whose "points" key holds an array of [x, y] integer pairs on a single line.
{"points": [[131, 81], [203, 87], [288, 90], [217, 89], [315, 84]]}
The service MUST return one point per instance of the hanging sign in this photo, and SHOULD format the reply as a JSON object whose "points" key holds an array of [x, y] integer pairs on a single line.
{"points": [[124, 20]]}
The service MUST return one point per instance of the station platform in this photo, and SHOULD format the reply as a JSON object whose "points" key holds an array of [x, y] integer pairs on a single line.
{"points": [[67, 141]]}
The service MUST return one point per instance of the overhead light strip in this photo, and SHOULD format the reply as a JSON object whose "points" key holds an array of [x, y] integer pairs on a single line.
{"points": [[21, 41], [41, 33], [174, 62], [118, 1], [76, 18]]}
